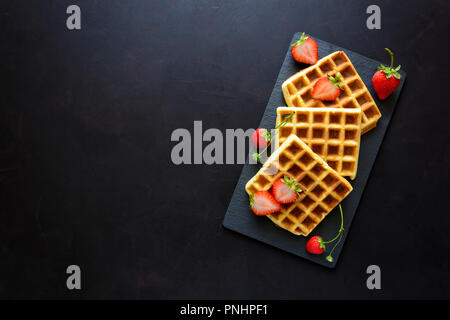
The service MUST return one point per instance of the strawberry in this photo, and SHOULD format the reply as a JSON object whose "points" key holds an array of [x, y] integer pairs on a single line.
{"points": [[386, 79], [286, 190], [261, 138], [327, 88], [262, 203], [305, 50], [315, 245]]}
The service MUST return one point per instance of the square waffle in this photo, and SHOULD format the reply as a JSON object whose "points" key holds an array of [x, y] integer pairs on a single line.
{"points": [[354, 94], [332, 133], [322, 187]]}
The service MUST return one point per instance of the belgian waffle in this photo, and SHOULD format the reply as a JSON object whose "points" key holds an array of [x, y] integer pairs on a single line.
{"points": [[332, 133], [354, 94], [322, 187]]}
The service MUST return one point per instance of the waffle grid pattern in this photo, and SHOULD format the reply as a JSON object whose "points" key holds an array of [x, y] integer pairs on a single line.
{"points": [[332, 133], [297, 89], [322, 187]]}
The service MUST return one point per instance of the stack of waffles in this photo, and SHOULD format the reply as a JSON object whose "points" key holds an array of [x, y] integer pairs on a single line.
{"points": [[354, 94], [318, 146]]}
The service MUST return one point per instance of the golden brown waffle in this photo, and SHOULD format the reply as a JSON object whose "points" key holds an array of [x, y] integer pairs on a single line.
{"points": [[354, 94], [322, 187], [332, 133]]}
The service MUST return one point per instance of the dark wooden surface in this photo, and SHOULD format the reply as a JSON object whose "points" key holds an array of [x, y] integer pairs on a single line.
{"points": [[85, 170]]}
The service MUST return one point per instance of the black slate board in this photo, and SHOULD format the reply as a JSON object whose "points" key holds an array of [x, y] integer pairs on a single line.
{"points": [[239, 217]]}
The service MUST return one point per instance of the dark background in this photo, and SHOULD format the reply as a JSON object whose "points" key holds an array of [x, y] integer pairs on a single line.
{"points": [[85, 170]]}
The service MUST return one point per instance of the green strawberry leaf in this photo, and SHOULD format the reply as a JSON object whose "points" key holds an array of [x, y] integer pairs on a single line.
{"points": [[390, 71], [251, 199], [303, 37], [292, 184], [322, 245], [336, 80]]}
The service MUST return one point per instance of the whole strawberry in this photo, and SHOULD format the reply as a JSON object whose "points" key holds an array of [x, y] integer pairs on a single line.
{"points": [[315, 245], [386, 79], [261, 138]]}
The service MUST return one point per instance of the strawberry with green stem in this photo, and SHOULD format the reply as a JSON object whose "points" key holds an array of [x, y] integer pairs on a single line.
{"points": [[316, 245], [261, 138], [257, 156], [386, 79]]}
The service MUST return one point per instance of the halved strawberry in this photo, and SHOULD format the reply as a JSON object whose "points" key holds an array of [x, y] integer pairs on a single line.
{"points": [[327, 88], [262, 203], [305, 50], [286, 190]]}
